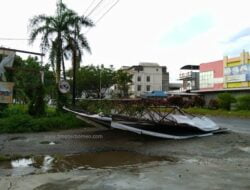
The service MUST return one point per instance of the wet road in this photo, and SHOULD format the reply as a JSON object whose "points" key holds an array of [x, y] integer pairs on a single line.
{"points": [[97, 158], [234, 124]]}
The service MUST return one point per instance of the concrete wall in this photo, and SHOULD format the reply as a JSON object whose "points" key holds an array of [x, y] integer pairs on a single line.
{"points": [[213, 95]]}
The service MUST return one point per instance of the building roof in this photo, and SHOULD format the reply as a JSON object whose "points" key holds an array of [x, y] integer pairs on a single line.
{"points": [[190, 67], [148, 64]]}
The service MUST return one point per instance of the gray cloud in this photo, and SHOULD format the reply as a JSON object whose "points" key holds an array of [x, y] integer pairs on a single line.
{"points": [[236, 47], [243, 33]]}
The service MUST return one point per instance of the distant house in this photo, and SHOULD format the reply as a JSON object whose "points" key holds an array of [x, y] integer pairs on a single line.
{"points": [[148, 77]]}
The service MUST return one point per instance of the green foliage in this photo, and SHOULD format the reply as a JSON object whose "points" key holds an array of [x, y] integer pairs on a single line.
{"points": [[225, 100], [243, 102], [60, 34], [123, 80], [10, 110], [27, 123], [28, 89], [213, 104], [175, 101], [199, 101], [49, 83], [91, 78], [97, 106], [28, 81], [16, 120]]}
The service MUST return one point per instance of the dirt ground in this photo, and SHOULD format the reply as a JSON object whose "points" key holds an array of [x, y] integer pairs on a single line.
{"points": [[98, 158]]}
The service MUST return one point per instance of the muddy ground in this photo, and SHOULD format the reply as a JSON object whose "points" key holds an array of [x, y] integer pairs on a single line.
{"points": [[97, 158]]}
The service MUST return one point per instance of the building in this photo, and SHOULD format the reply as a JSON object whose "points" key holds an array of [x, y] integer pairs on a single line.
{"points": [[148, 77], [227, 75], [237, 71], [189, 76], [211, 75]]}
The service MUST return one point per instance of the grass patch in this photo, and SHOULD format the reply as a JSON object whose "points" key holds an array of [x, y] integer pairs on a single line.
{"points": [[15, 119], [219, 112]]}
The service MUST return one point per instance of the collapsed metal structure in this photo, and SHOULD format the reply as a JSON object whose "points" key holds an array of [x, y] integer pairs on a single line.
{"points": [[153, 118]]}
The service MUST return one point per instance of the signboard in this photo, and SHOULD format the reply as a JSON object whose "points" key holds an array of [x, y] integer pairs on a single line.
{"points": [[236, 78], [237, 73], [236, 70], [64, 86], [6, 92]]}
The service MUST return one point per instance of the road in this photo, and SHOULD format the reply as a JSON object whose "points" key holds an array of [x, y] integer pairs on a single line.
{"points": [[97, 158], [234, 124]]}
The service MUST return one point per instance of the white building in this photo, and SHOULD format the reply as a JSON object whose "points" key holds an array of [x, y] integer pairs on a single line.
{"points": [[148, 77]]}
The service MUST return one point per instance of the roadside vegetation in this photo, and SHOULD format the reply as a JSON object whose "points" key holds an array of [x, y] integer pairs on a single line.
{"points": [[16, 119], [225, 104]]}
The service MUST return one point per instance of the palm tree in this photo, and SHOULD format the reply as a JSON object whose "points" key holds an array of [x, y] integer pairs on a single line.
{"points": [[54, 30], [76, 42]]}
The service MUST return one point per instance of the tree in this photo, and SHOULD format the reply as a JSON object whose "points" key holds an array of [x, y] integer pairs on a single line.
{"points": [[123, 80], [54, 30], [93, 81], [225, 100], [28, 83], [76, 41]]}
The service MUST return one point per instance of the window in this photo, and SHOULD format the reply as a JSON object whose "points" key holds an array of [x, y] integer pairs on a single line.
{"points": [[139, 78], [148, 78], [207, 79], [148, 87], [138, 87]]}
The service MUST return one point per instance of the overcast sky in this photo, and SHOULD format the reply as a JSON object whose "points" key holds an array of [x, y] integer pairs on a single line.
{"points": [[172, 33]]}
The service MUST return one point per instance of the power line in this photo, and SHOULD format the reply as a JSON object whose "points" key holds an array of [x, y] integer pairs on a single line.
{"points": [[97, 5], [98, 20], [104, 14], [90, 5]]}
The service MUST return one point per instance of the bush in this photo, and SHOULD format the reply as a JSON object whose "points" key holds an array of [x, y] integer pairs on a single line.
{"points": [[213, 104], [199, 102], [225, 100], [3, 107], [175, 101], [15, 109], [17, 120], [188, 103], [243, 102]]}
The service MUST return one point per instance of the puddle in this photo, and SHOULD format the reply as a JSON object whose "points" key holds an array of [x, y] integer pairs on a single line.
{"points": [[24, 162], [62, 163]]}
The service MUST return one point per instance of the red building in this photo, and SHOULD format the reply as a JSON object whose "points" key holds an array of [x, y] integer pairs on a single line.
{"points": [[212, 75]]}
